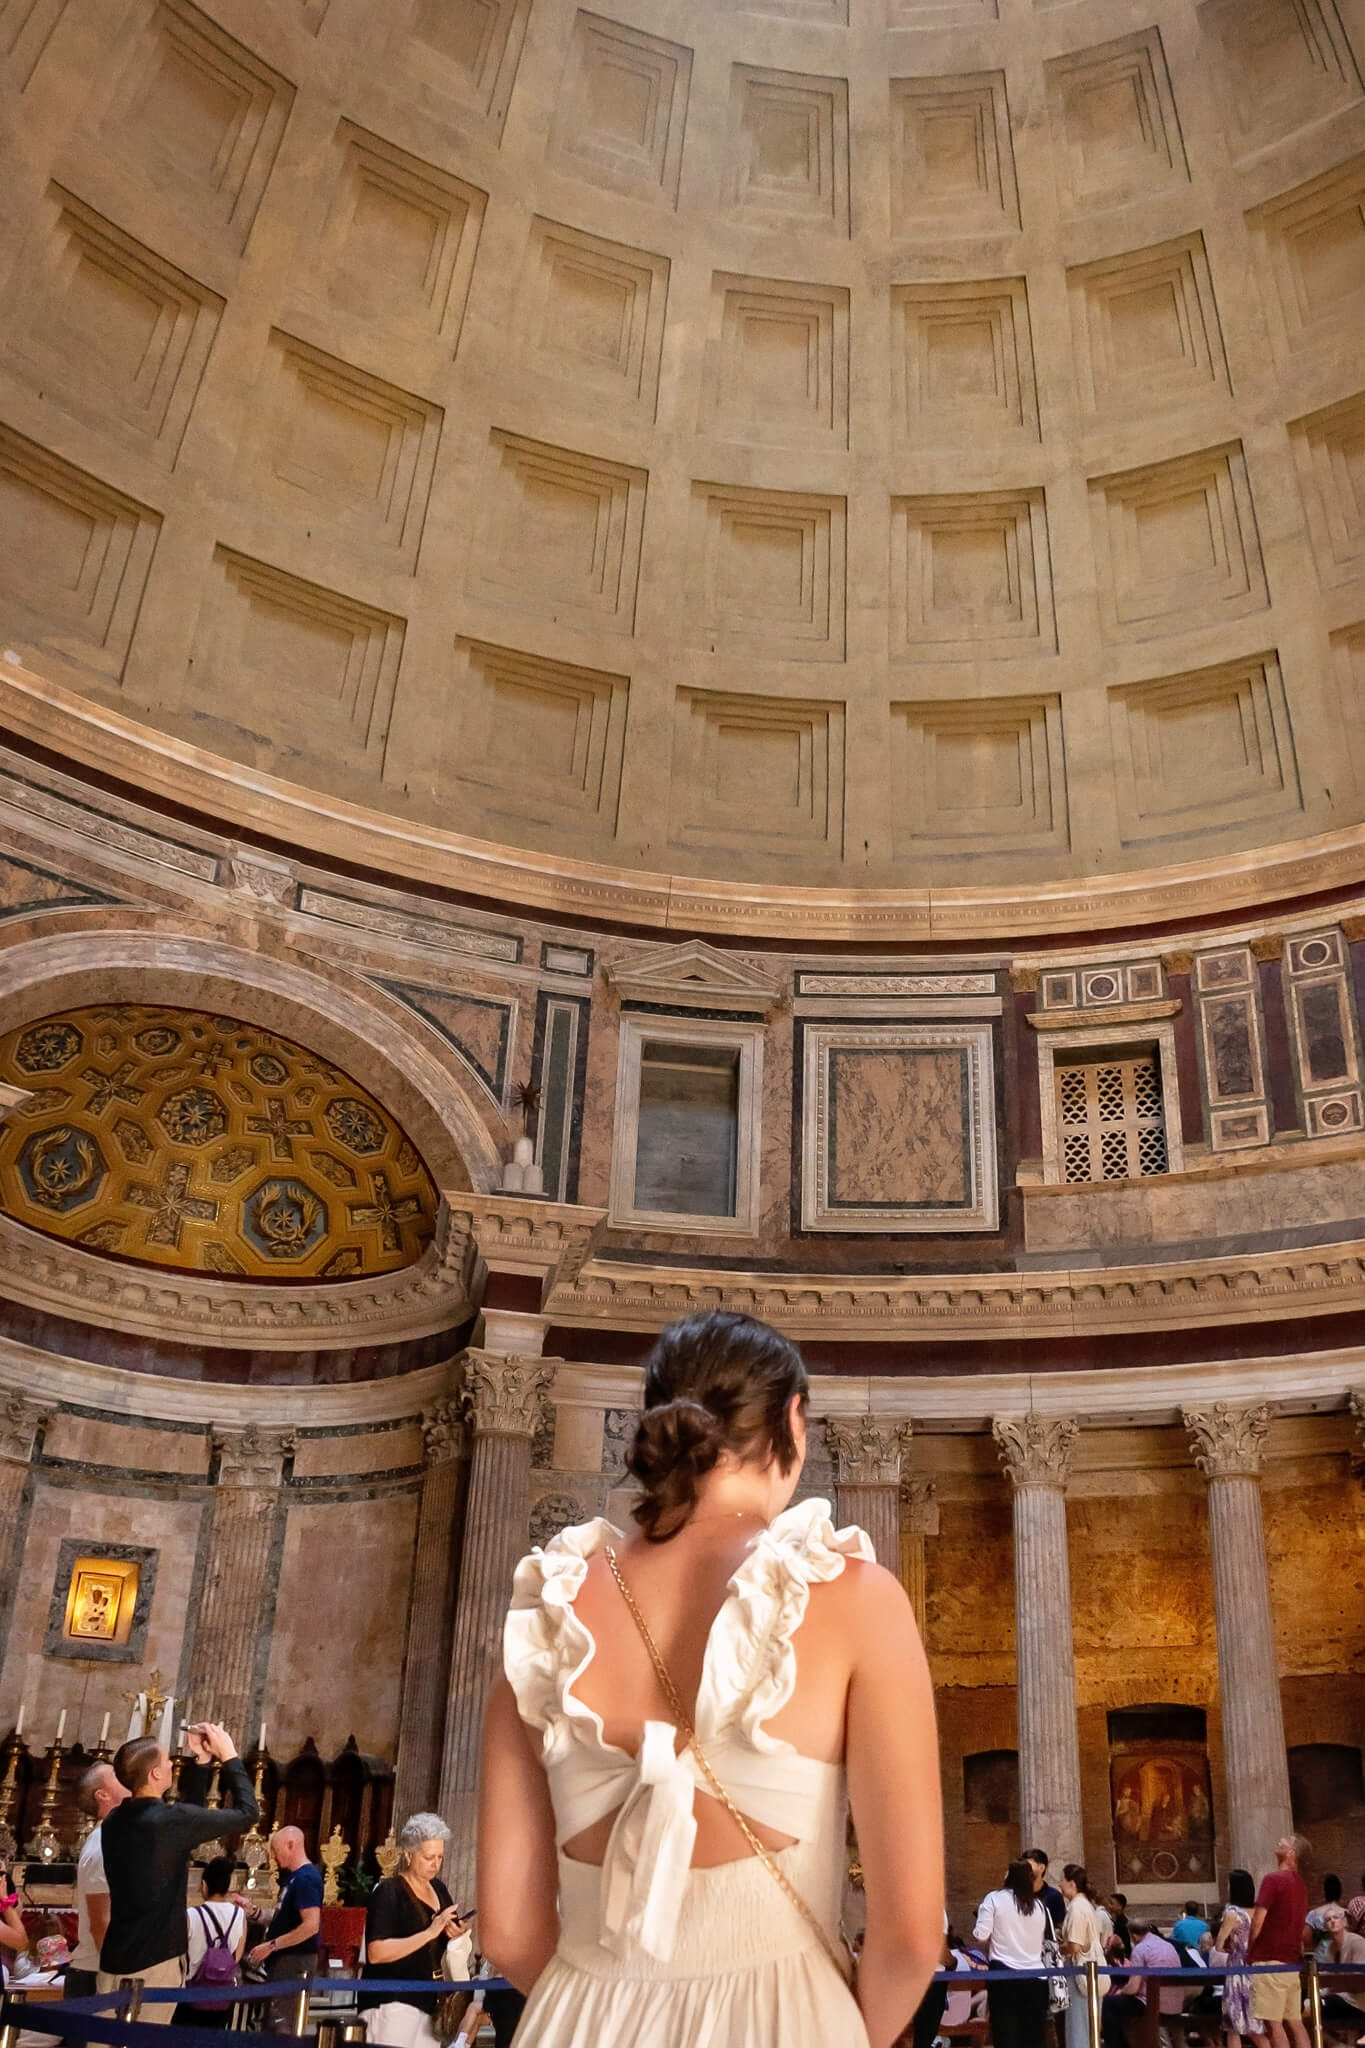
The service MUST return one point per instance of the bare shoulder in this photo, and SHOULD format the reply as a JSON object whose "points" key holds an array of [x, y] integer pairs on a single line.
{"points": [[866, 1602]]}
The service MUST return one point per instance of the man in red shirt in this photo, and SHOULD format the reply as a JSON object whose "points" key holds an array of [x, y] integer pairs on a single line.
{"points": [[1277, 1936]]}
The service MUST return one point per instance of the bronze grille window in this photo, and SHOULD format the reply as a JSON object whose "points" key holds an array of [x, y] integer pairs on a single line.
{"points": [[1111, 1118]]}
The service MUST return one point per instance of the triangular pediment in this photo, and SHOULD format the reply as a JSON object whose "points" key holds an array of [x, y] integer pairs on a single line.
{"points": [[695, 976]]}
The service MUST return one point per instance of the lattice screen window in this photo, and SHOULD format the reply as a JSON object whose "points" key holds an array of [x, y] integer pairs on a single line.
{"points": [[1111, 1118]]}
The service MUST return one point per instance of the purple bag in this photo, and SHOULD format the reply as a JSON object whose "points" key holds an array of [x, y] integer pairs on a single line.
{"points": [[217, 1965]]}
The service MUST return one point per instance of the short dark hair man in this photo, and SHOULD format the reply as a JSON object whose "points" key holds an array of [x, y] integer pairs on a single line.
{"points": [[289, 1949], [1054, 1905], [147, 1849]]}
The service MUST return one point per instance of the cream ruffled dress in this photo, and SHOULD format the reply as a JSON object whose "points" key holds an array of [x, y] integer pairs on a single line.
{"points": [[654, 1954]]}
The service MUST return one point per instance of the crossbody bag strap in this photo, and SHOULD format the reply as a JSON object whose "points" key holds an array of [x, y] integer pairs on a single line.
{"points": [[684, 1722]]}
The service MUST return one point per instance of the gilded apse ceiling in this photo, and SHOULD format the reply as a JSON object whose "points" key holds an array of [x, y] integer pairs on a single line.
{"points": [[176, 1138], [855, 444]]}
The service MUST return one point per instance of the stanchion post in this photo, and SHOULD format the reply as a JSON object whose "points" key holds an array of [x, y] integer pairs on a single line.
{"points": [[1092, 2000], [134, 1997], [300, 2025], [1314, 2002], [9, 2032]]}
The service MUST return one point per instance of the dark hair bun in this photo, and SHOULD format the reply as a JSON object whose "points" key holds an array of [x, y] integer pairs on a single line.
{"points": [[714, 1383]]}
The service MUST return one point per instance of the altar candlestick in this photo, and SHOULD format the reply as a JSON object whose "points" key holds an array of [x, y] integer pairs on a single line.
{"points": [[261, 1746], [104, 1731], [61, 1727], [19, 1724]]}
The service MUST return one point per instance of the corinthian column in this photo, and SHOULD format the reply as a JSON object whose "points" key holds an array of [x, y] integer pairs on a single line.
{"points": [[431, 1617], [919, 1518], [867, 1451], [502, 1399], [1036, 1451], [1228, 1444], [20, 1421], [238, 1600]]}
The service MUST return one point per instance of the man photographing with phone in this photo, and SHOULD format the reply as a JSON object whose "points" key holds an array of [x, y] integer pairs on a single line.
{"points": [[147, 1849]]}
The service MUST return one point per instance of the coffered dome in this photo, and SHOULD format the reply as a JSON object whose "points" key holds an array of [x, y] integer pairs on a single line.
{"points": [[181, 1139], [855, 443]]}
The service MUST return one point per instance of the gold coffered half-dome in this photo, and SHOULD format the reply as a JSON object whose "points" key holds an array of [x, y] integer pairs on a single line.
{"points": [[179, 1138]]}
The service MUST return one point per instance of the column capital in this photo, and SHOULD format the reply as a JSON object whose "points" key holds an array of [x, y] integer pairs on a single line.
{"points": [[442, 1432], [251, 1456], [1358, 1408], [867, 1449], [919, 1507], [20, 1421], [502, 1395], [1228, 1438], [1036, 1450]]}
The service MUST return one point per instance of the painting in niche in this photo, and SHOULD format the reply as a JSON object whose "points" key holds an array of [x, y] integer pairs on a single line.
{"points": [[101, 1600], [1163, 1812]]}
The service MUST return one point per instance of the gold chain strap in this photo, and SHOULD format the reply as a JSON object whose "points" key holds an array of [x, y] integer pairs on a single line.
{"points": [[684, 1721]]}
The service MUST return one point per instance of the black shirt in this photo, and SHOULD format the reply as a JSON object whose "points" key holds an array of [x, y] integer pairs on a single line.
{"points": [[394, 1913], [303, 1889], [147, 1847], [1054, 1905]]}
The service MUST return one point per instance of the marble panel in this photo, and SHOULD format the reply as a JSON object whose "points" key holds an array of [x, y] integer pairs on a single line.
{"points": [[336, 1655], [93, 1440], [382, 1450]]}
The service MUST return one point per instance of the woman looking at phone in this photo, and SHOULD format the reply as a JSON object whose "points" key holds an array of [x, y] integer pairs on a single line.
{"points": [[409, 1922]]}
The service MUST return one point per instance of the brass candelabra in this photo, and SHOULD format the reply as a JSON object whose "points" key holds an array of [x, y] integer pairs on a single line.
{"points": [[334, 1854], [255, 1849], [9, 1804], [46, 1844]]}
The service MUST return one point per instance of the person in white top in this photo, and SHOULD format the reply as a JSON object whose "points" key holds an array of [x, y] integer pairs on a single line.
{"points": [[1012, 1923], [1082, 1942], [683, 1716], [98, 1793]]}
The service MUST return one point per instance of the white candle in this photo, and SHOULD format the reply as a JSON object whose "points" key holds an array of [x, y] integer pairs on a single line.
{"points": [[163, 1733], [104, 1731], [19, 1724], [61, 1726], [261, 1744]]}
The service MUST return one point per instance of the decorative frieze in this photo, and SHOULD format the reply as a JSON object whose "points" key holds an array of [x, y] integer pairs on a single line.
{"points": [[1228, 1440], [1036, 1450]]}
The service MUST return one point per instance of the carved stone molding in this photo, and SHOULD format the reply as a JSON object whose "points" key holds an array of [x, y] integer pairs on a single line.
{"points": [[1178, 963], [442, 1432], [196, 1308], [867, 1451], [919, 1507], [515, 1235], [264, 880], [20, 1421], [252, 1456], [503, 1396], [1268, 946], [1036, 1450], [1358, 1409], [1227, 1439]]}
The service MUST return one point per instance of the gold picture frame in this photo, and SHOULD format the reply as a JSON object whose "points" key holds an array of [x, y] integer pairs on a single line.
{"points": [[101, 1600]]}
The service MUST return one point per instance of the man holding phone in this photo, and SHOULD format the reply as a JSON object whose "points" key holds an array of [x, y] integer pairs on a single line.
{"points": [[147, 1849]]}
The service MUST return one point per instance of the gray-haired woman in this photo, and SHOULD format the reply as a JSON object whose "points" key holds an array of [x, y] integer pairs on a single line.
{"points": [[409, 1921]]}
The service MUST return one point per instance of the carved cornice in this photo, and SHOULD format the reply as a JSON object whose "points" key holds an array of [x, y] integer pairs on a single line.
{"points": [[252, 1456], [867, 1449], [1228, 1440], [176, 772], [504, 1396], [513, 1234], [195, 1308], [919, 1506], [1167, 1294], [442, 1433], [20, 1421], [695, 976], [1105, 1014], [1036, 1450]]}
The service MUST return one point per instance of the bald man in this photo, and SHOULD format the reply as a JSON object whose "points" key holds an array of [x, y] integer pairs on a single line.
{"points": [[290, 1947]]}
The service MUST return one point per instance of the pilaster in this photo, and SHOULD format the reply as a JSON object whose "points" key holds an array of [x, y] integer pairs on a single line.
{"points": [[431, 1614], [238, 1598], [919, 1519]]}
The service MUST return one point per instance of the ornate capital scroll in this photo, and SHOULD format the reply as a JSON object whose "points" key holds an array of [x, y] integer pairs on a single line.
{"points": [[442, 1432], [1358, 1408], [1227, 1440], [919, 1507], [867, 1449], [502, 1396], [251, 1456], [20, 1421], [1036, 1450]]}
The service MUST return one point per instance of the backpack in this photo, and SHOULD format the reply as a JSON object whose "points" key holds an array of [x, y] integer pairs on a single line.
{"points": [[217, 1965]]}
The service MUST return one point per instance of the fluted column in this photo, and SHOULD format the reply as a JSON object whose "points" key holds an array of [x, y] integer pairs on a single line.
{"points": [[431, 1617], [919, 1518], [20, 1421], [867, 1451], [1229, 1444], [1037, 1451], [502, 1399], [238, 1598]]}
